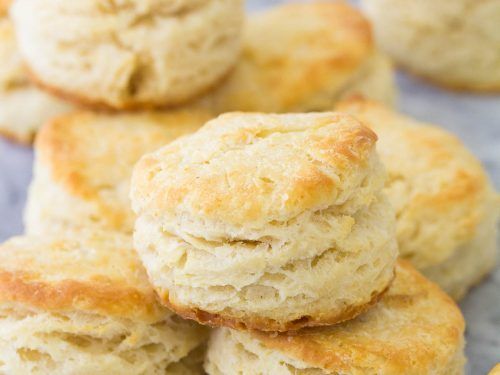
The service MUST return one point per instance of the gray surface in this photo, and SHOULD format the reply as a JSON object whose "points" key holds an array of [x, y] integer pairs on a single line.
{"points": [[475, 119]]}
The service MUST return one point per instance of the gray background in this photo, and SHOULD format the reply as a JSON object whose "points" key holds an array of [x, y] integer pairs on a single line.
{"points": [[475, 119]]}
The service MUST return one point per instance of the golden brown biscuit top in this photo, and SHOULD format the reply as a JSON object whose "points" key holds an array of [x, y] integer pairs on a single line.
{"points": [[415, 325], [439, 189], [293, 53], [82, 271], [91, 155], [243, 169]]}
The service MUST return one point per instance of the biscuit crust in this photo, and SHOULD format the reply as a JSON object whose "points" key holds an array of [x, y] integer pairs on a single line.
{"points": [[86, 159], [258, 323], [79, 302], [285, 210], [414, 328], [446, 207], [438, 188], [48, 274], [221, 180]]}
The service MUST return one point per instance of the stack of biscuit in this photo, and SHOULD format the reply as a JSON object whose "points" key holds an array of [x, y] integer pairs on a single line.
{"points": [[276, 230], [152, 221], [197, 62], [16, 91]]}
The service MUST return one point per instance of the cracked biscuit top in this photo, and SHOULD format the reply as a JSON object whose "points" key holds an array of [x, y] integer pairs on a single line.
{"points": [[256, 169]]}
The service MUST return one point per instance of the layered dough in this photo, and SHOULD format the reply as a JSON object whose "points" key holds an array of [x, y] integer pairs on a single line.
{"points": [[80, 303], [84, 160], [129, 54], [285, 210], [446, 207], [415, 328]]}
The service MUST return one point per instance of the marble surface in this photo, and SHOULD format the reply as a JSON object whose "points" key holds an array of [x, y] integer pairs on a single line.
{"points": [[475, 119]]}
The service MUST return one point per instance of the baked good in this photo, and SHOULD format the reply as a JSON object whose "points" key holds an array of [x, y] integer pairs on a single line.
{"points": [[452, 42], [272, 222], [84, 162], [341, 62], [446, 207], [81, 304], [303, 57], [130, 54], [23, 108], [414, 329]]}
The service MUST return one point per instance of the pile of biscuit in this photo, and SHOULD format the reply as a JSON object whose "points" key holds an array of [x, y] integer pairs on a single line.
{"points": [[316, 231]]}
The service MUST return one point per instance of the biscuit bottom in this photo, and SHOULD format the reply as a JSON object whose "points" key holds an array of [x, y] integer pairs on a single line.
{"points": [[34, 342], [415, 328], [274, 286]]}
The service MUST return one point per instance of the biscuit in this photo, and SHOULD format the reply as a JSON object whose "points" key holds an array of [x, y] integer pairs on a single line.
{"points": [[23, 108], [84, 162], [418, 35], [304, 57], [414, 329], [128, 54], [341, 62], [81, 303], [272, 222], [446, 207]]}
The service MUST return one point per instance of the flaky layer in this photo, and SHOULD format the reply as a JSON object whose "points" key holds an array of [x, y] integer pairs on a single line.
{"points": [[38, 342], [338, 268], [415, 328], [418, 35], [285, 210], [131, 54], [470, 262], [80, 270], [442, 195]]}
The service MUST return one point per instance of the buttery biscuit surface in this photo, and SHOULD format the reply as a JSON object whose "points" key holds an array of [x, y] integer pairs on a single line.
{"points": [[271, 222], [84, 160]]}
